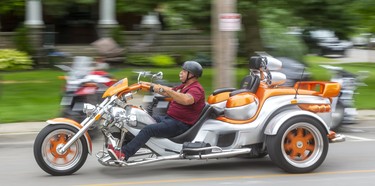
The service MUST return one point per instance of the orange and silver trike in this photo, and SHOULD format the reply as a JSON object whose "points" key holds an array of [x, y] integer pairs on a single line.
{"points": [[290, 124]]}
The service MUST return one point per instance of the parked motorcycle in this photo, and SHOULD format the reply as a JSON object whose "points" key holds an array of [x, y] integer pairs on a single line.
{"points": [[84, 84], [343, 106], [290, 124]]}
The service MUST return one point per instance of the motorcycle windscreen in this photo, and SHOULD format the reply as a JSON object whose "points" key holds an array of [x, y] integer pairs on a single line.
{"points": [[116, 88]]}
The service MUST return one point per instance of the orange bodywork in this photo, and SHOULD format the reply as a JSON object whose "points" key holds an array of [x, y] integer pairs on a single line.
{"points": [[315, 108], [122, 87], [323, 89], [240, 100], [316, 88], [116, 88], [212, 99]]}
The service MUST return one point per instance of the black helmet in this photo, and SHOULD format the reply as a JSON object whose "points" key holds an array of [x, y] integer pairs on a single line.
{"points": [[193, 67]]}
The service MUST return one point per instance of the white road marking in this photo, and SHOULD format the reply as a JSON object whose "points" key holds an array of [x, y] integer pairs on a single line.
{"points": [[359, 138]]}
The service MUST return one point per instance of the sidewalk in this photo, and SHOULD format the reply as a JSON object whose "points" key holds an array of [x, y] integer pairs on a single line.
{"points": [[35, 127]]}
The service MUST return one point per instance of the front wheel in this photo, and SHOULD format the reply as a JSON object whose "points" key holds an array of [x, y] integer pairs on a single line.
{"points": [[300, 145], [46, 154]]}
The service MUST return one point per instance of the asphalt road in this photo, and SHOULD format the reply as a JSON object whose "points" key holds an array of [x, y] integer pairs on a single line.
{"points": [[348, 163]]}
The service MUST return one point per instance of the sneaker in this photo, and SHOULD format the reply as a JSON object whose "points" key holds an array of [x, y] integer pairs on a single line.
{"points": [[115, 154]]}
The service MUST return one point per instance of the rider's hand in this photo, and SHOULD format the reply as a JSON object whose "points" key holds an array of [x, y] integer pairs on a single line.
{"points": [[147, 85]]}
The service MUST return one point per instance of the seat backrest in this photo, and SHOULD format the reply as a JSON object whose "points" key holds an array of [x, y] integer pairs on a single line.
{"points": [[190, 134], [251, 83]]}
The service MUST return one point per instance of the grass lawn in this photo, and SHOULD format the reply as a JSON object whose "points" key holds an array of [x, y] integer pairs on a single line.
{"points": [[35, 95]]}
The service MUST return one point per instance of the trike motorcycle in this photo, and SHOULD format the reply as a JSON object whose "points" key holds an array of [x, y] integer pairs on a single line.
{"points": [[290, 124]]}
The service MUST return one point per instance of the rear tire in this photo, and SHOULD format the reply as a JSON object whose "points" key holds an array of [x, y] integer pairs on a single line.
{"points": [[46, 155], [300, 145], [337, 116]]}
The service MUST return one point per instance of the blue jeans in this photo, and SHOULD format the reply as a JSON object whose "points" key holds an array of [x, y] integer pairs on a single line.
{"points": [[166, 127]]}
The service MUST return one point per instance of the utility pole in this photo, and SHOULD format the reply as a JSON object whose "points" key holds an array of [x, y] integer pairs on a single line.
{"points": [[224, 42]]}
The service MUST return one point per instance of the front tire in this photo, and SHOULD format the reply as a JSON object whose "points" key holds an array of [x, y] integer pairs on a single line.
{"points": [[300, 145], [50, 160]]}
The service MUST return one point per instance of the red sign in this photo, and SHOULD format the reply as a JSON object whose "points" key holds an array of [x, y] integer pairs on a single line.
{"points": [[230, 22]]}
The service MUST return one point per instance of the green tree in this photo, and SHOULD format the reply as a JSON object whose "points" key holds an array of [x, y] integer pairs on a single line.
{"points": [[331, 14], [17, 6], [364, 14], [59, 8]]}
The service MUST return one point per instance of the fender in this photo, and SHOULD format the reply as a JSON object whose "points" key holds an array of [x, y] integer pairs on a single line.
{"points": [[66, 121], [276, 122]]}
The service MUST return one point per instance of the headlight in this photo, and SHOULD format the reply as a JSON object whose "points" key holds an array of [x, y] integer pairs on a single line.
{"points": [[88, 109], [127, 97]]}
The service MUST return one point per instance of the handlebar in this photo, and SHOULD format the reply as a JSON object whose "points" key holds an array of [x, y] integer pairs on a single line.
{"points": [[157, 76]]}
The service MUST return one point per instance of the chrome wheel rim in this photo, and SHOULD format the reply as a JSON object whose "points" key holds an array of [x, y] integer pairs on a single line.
{"points": [[61, 161], [302, 145]]}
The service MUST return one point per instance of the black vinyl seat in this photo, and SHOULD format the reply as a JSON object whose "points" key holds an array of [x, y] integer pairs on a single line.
{"points": [[250, 82]]}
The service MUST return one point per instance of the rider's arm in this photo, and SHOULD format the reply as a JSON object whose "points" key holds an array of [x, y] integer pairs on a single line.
{"points": [[181, 98]]}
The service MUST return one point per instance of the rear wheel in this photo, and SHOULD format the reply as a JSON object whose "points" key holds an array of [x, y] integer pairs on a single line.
{"points": [[46, 153], [299, 146]]}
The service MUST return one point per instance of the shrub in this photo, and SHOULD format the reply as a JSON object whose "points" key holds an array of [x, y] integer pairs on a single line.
{"points": [[137, 60], [14, 60], [22, 40], [203, 59], [157, 60], [162, 60]]}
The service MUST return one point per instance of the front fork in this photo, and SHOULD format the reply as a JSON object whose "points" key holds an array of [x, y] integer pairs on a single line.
{"points": [[76, 136], [86, 125]]}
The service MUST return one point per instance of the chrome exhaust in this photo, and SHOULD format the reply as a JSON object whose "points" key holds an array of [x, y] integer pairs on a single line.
{"points": [[337, 138], [104, 160], [222, 154]]}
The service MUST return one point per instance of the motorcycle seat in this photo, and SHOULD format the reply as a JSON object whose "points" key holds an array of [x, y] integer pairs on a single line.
{"points": [[190, 134], [249, 83]]}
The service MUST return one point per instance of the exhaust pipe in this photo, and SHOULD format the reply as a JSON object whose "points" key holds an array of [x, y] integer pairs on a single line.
{"points": [[223, 154], [215, 155]]}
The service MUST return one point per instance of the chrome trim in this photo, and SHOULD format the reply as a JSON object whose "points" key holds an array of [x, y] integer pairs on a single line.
{"points": [[338, 138], [224, 154], [277, 121]]}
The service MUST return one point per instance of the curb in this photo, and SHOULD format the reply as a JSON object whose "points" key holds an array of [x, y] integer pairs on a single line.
{"points": [[21, 128], [366, 115]]}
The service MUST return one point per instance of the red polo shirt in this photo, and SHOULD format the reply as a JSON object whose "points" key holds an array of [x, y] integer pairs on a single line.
{"points": [[188, 113]]}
